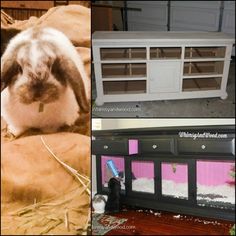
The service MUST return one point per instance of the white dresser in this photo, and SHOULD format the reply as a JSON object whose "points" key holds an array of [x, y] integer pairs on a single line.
{"points": [[145, 66]]}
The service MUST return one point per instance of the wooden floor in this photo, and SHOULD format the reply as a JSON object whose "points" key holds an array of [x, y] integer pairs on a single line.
{"points": [[146, 222]]}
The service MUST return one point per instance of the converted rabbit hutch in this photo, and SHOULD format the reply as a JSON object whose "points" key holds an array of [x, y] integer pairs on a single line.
{"points": [[188, 170], [146, 66]]}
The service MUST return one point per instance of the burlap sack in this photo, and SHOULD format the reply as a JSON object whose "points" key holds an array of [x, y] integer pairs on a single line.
{"points": [[31, 175]]}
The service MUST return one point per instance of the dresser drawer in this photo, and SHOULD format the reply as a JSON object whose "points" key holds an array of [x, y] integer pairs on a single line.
{"points": [[217, 147], [115, 147], [159, 145]]}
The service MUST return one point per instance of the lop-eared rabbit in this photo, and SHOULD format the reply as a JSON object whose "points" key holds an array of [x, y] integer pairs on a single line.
{"points": [[43, 82]]}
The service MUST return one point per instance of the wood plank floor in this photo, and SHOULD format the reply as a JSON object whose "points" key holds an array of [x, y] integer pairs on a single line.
{"points": [[148, 222]]}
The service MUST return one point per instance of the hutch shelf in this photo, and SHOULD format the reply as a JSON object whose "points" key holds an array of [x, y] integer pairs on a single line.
{"points": [[147, 66], [189, 170]]}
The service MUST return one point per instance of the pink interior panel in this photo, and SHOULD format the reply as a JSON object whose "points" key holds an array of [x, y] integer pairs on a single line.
{"points": [[118, 161], [214, 173], [180, 175], [142, 169], [133, 146]]}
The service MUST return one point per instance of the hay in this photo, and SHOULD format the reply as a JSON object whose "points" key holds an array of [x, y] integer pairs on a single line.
{"points": [[68, 214], [60, 215], [6, 19], [72, 171]]}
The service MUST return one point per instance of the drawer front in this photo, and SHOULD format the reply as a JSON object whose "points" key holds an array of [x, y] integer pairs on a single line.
{"points": [[218, 147], [157, 146], [110, 147]]}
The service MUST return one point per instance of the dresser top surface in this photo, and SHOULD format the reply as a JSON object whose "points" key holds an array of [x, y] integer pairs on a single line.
{"points": [[166, 130], [108, 36]]}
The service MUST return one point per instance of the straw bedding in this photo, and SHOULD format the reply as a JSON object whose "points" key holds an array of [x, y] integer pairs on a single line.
{"points": [[39, 194]]}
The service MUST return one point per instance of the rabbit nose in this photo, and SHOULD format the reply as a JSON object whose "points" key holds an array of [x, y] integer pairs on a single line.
{"points": [[37, 85], [38, 89]]}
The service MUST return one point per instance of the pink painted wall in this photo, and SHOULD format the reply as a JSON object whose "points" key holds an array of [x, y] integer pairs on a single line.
{"points": [[208, 172], [213, 173], [179, 176], [143, 169], [118, 161]]}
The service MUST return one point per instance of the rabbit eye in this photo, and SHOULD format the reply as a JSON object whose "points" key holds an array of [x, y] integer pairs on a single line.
{"points": [[20, 70]]}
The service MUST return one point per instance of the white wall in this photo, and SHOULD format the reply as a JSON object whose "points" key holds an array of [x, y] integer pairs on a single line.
{"points": [[228, 23], [153, 15], [142, 123], [184, 16], [195, 15]]}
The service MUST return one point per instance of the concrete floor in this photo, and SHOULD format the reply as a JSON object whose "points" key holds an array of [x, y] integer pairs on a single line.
{"points": [[204, 107]]}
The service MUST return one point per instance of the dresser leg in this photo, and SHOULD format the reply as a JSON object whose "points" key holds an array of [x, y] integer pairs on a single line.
{"points": [[224, 96], [99, 102]]}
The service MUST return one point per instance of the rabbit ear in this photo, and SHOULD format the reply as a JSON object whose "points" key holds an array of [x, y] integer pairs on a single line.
{"points": [[9, 69], [9, 66], [64, 70]]}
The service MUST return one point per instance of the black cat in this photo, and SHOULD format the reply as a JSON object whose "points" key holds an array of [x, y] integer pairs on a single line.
{"points": [[113, 203]]}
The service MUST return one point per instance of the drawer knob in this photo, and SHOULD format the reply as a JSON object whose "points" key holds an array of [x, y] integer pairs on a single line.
{"points": [[154, 146], [105, 147], [203, 147]]}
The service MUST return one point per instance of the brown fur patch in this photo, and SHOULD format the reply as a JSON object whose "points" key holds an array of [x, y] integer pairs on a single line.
{"points": [[9, 73], [44, 93], [11, 67]]}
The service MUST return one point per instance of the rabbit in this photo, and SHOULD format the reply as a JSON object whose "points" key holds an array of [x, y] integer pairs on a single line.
{"points": [[99, 202], [43, 82]]}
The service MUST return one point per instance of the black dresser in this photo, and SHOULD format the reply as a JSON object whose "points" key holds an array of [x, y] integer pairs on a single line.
{"points": [[188, 170]]}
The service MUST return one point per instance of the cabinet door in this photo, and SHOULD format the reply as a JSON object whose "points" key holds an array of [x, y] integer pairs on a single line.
{"points": [[106, 174], [215, 183], [164, 76], [175, 180], [141, 178]]}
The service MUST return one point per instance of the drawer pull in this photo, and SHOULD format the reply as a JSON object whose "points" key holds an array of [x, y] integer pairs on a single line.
{"points": [[203, 147], [154, 146], [105, 147]]}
